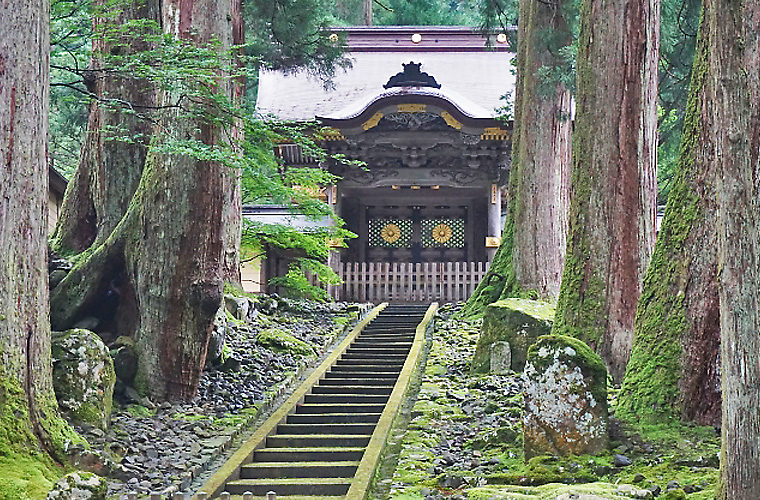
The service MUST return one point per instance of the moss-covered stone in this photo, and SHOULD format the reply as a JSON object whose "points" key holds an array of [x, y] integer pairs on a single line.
{"points": [[280, 340], [79, 486], [565, 399], [83, 377], [517, 321]]}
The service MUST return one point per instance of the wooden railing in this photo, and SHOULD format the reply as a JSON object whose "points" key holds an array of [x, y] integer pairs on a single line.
{"points": [[405, 282]]}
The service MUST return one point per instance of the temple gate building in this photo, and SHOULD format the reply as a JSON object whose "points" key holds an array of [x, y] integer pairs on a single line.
{"points": [[418, 107]]}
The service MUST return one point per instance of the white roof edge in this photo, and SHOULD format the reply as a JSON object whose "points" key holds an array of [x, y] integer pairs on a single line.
{"points": [[461, 103]]}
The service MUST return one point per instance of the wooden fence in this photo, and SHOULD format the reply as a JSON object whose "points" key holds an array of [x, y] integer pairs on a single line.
{"points": [[405, 282]]}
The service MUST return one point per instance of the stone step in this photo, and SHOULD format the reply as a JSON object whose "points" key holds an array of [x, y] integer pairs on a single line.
{"points": [[310, 454], [333, 418], [363, 359], [377, 350], [345, 398], [348, 366], [369, 356], [340, 379], [327, 428], [298, 470], [361, 374], [351, 389], [346, 408], [290, 486], [316, 441], [384, 345]]}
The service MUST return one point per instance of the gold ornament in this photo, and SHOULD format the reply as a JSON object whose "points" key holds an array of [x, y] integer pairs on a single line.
{"points": [[391, 233], [442, 233]]}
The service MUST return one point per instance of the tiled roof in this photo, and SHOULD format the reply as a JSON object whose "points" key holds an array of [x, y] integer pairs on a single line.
{"points": [[458, 58]]}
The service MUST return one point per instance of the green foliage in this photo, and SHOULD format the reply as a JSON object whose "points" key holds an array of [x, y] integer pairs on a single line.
{"points": [[678, 34], [292, 35], [281, 340], [70, 37]]}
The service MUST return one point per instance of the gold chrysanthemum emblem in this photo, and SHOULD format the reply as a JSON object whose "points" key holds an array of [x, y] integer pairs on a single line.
{"points": [[442, 233], [391, 233]]}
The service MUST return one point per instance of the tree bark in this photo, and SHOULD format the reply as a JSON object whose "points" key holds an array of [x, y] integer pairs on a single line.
{"points": [[118, 134], [734, 33], [613, 190], [541, 159], [29, 417], [531, 254], [674, 369], [368, 13], [184, 196]]}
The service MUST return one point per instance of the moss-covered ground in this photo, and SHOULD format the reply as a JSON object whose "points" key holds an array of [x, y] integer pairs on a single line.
{"points": [[464, 441]]}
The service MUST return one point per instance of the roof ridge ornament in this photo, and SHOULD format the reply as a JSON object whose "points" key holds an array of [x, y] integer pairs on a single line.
{"points": [[412, 76]]}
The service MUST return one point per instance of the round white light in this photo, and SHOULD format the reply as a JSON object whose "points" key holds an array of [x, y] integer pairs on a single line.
{"points": [[416, 38], [501, 38]]}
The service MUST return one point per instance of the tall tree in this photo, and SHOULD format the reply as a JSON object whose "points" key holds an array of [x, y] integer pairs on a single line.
{"points": [[28, 411], [613, 189], [531, 254], [674, 369], [734, 80]]}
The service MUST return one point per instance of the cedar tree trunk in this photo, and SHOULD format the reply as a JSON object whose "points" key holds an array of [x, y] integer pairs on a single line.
{"points": [[542, 156], [734, 78], [28, 408], [613, 190], [532, 251], [674, 368]]}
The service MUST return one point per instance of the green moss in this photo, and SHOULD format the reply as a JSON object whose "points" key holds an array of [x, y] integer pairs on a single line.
{"points": [[583, 355], [140, 411], [534, 308], [27, 477], [280, 340], [27, 472]]}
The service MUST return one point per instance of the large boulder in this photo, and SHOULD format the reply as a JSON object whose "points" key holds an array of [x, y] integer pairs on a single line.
{"points": [[565, 397], [519, 322], [83, 377], [79, 486]]}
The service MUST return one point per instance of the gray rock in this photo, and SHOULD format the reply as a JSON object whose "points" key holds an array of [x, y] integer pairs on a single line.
{"points": [[87, 323], [565, 397], [216, 345], [621, 460], [238, 307], [83, 377], [125, 363], [79, 486], [500, 358]]}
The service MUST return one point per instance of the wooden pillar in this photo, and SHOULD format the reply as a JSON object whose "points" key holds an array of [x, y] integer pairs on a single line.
{"points": [[334, 257], [494, 220]]}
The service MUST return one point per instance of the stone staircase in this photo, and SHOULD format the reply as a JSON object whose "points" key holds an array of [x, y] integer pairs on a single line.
{"points": [[315, 452]]}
